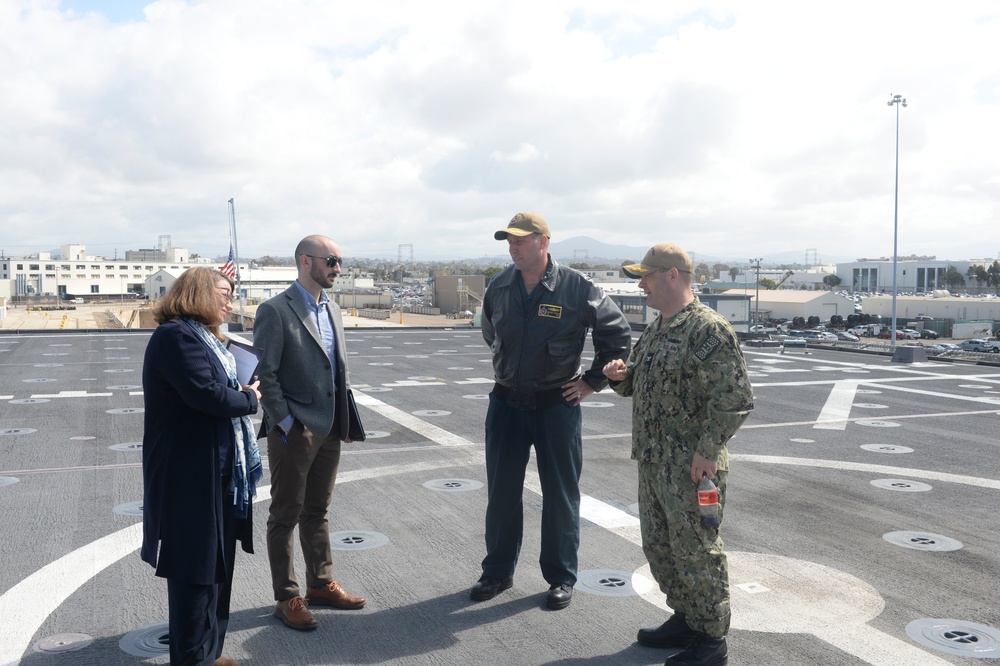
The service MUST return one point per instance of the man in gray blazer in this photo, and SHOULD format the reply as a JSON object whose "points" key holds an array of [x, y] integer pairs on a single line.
{"points": [[303, 386]]}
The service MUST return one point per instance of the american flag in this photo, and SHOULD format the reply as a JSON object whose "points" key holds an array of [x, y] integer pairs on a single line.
{"points": [[229, 268]]}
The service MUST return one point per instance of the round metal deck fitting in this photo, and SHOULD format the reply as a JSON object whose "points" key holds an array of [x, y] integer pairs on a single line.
{"points": [[597, 405], [129, 509], [17, 431], [870, 405], [146, 642], [48, 365], [430, 412], [113, 370], [377, 389], [606, 582], [922, 541], [357, 540], [27, 401], [62, 643], [453, 485], [127, 446], [867, 392], [956, 637], [124, 387], [38, 380], [7, 481], [477, 396], [126, 410], [457, 367], [877, 424], [903, 485], [886, 448]]}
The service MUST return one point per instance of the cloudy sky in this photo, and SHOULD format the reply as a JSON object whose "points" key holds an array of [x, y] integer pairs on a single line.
{"points": [[736, 129]]}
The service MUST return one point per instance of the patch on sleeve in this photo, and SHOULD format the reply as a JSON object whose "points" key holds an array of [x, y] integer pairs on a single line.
{"points": [[553, 311], [707, 347]]}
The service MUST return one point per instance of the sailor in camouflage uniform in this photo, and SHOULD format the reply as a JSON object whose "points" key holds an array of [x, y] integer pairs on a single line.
{"points": [[690, 394]]}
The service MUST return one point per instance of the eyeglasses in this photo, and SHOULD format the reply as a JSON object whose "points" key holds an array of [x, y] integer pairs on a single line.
{"points": [[331, 261], [228, 295]]}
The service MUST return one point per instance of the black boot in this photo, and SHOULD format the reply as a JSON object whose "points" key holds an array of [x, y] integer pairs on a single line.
{"points": [[704, 651], [675, 632]]}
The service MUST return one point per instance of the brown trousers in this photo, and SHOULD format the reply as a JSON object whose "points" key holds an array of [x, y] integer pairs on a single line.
{"points": [[303, 473]]}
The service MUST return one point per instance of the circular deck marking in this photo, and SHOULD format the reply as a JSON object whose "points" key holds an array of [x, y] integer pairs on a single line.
{"points": [[430, 412], [119, 370], [903, 485], [886, 448], [129, 509], [458, 367], [124, 387], [956, 637], [39, 380], [357, 540], [375, 434], [870, 405], [871, 423], [149, 641], [62, 643], [477, 396], [453, 485], [597, 405], [126, 410], [27, 401], [867, 392], [922, 541], [377, 389], [127, 446], [17, 431], [424, 378], [8, 480], [606, 582], [48, 365], [380, 363]]}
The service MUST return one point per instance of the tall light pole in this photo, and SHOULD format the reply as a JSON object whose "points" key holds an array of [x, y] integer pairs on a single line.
{"points": [[897, 101], [756, 300]]}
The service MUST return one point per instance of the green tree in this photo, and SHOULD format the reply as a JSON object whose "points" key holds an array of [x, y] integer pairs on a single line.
{"points": [[767, 283], [490, 271], [993, 275], [831, 280], [953, 279], [733, 272]]}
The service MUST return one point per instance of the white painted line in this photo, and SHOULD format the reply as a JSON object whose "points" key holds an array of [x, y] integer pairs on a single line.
{"points": [[6, 397], [411, 382], [475, 380], [837, 409], [72, 394], [407, 420]]}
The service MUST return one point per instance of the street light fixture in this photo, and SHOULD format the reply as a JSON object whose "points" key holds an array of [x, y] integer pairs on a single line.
{"points": [[756, 301], [897, 101]]}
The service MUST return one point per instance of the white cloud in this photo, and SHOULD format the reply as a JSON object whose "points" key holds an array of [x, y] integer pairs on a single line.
{"points": [[731, 128]]}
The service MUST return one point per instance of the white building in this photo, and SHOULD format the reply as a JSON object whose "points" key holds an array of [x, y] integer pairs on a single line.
{"points": [[912, 275]]}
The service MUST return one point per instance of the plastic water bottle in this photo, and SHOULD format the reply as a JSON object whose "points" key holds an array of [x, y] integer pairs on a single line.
{"points": [[708, 502]]}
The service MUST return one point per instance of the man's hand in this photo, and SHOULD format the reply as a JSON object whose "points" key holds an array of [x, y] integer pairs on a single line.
{"points": [[575, 391], [616, 370], [702, 466]]}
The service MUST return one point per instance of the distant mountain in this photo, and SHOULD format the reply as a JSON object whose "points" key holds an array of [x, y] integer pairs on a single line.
{"points": [[586, 249]]}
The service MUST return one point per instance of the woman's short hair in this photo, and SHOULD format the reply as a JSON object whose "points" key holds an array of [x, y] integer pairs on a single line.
{"points": [[193, 295]]}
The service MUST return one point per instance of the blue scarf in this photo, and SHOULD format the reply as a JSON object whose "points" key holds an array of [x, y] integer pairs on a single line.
{"points": [[247, 469]]}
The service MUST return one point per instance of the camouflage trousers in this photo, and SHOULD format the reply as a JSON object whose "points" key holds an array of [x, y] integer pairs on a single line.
{"points": [[685, 558]]}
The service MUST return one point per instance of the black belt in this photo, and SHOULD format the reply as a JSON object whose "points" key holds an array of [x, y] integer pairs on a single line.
{"points": [[529, 401]]}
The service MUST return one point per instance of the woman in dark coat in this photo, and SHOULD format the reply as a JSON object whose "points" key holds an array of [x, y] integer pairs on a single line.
{"points": [[200, 463]]}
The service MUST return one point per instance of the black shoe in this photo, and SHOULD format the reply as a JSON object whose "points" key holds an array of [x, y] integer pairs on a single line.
{"points": [[675, 632], [559, 596], [704, 651], [488, 587]]}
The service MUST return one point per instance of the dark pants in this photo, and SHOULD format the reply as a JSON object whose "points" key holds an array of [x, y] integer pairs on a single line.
{"points": [[199, 614], [302, 477], [555, 432]]}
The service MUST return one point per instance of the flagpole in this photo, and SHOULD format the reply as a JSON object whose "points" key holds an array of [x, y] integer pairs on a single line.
{"points": [[236, 258]]}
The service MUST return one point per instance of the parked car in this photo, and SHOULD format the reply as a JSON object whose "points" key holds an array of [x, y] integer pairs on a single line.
{"points": [[886, 333], [980, 345], [911, 334], [927, 334], [942, 348], [824, 336], [847, 337]]}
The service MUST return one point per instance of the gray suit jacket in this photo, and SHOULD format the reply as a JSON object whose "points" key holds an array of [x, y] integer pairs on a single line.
{"points": [[294, 369]]}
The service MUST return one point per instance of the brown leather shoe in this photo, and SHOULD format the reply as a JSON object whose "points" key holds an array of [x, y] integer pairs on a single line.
{"points": [[225, 661], [334, 595], [295, 614]]}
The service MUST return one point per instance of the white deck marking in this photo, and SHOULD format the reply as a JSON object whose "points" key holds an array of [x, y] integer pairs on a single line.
{"points": [[837, 409]]}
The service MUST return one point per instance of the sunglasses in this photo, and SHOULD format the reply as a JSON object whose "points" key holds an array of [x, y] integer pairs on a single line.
{"points": [[331, 261]]}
